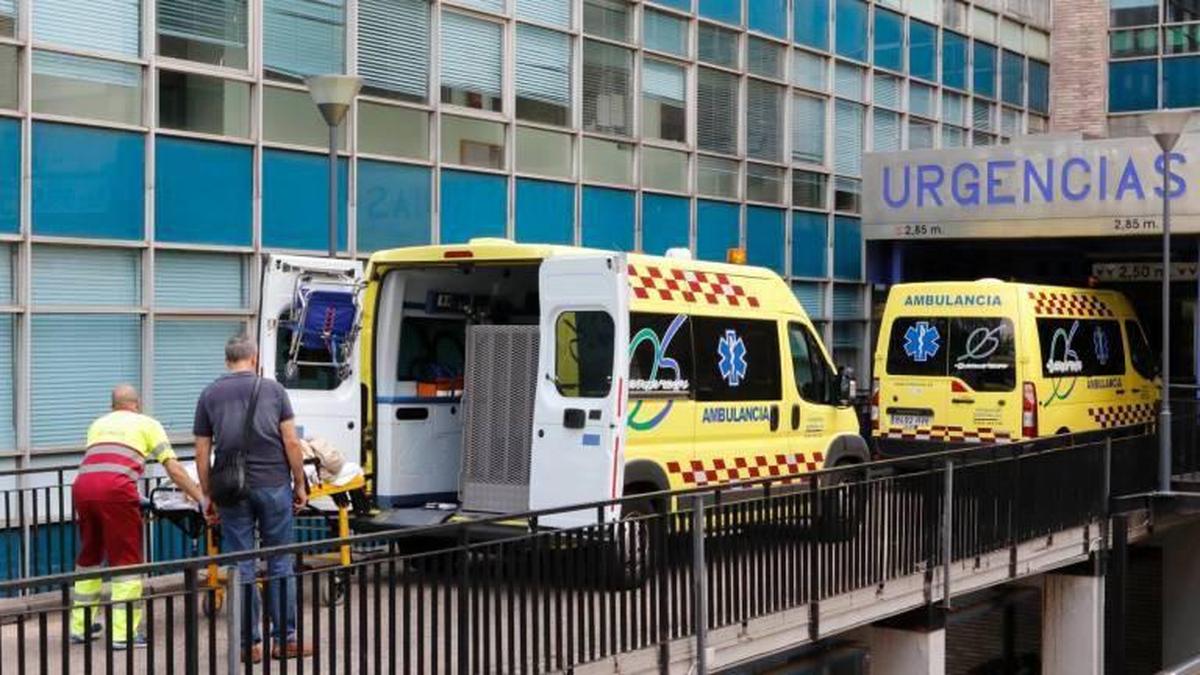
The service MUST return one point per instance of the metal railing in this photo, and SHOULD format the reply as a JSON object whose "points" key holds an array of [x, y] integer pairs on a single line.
{"points": [[447, 599]]}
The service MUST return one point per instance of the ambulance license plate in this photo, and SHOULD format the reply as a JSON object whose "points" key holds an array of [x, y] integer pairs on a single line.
{"points": [[911, 421]]}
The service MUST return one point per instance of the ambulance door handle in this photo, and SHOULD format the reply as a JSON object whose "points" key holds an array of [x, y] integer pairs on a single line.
{"points": [[795, 416], [774, 418], [962, 400]]}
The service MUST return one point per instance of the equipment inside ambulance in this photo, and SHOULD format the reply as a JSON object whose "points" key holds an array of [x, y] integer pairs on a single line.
{"points": [[959, 363], [500, 378]]}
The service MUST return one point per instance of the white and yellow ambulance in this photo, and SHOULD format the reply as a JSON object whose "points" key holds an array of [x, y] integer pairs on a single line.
{"points": [[989, 361], [497, 377]]}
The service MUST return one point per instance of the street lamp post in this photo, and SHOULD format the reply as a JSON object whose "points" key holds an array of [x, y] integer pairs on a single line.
{"points": [[1166, 127], [333, 95]]}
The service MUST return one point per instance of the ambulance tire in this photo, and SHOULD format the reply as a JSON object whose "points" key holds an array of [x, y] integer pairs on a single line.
{"points": [[629, 546], [843, 502]]}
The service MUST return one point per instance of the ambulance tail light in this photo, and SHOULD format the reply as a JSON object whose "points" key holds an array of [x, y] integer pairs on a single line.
{"points": [[875, 404], [1029, 415]]}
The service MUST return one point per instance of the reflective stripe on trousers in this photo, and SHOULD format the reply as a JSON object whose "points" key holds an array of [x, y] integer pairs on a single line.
{"points": [[126, 606]]}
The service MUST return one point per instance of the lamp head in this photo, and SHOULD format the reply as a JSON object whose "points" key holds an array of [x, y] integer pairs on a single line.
{"points": [[1166, 126], [333, 95]]}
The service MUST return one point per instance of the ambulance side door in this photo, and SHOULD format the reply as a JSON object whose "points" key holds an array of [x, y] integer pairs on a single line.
{"points": [[809, 415], [309, 313]]}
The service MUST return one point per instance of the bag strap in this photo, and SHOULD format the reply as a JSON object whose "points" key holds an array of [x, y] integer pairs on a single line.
{"points": [[248, 423]]}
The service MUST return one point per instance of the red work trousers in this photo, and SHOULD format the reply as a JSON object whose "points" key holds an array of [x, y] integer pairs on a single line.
{"points": [[109, 517]]}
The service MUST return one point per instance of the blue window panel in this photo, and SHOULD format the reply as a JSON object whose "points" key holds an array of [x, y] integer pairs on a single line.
{"points": [[685, 5], [768, 16], [8, 432], [1133, 85], [984, 74], [76, 360], [295, 201], [203, 192], [545, 212], [1039, 86], [188, 355], [725, 11], [665, 222], [10, 175], [954, 60], [87, 275], [847, 248], [1181, 87], [7, 265], [852, 30], [717, 229], [608, 217], [199, 280], [88, 182], [922, 51], [473, 205], [810, 242], [811, 23], [766, 237], [1012, 80], [394, 205], [812, 298], [889, 40]]}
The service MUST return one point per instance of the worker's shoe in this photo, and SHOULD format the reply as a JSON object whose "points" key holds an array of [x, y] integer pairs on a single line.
{"points": [[292, 650], [96, 629], [252, 655], [138, 642]]}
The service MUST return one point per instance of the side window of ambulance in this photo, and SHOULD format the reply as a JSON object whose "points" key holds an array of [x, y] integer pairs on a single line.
{"points": [[1140, 352], [660, 354], [917, 346], [813, 377], [583, 353], [1081, 347], [736, 359], [983, 353]]}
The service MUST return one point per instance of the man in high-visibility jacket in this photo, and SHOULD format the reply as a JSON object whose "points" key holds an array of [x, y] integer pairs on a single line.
{"points": [[108, 512]]}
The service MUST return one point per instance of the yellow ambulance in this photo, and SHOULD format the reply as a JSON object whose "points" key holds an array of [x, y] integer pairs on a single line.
{"points": [[495, 377], [990, 361]]}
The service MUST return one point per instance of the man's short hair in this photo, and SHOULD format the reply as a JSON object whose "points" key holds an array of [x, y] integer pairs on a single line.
{"points": [[240, 348]]}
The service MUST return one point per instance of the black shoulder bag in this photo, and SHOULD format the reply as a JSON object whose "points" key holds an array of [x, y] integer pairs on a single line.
{"points": [[227, 481]]}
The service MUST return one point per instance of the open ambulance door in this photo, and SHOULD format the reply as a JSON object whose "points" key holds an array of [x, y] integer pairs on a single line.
{"points": [[578, 420], [309, 314]]}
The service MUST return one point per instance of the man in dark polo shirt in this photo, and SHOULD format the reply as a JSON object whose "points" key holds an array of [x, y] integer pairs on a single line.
{"points": [[275, 474]]}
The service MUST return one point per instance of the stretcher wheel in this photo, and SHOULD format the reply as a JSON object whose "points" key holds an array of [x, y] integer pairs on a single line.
{"points": [[333, 590], [213, 602]]}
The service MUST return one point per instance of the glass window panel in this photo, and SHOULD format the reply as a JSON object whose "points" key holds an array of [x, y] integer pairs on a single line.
{"points": [[920, 99], [607, 161], [545, 153], [768, 16], [1132, 85], [920, 135], [472, 142], [717, 110], [496, 6], [80, 86], [766, 243], [889, 40], [1181, 86], [473, 205], [1012, 35], [716, 177], [922, 50], [953, 137], [608, 19], [1010, 122], [764, 57], [808, 189], [204, 104], [10, 179], [811, 25], [393, 48], [10, 86], [295, 187], [543, 80], [954, 14], [718, 226], [809, 70], [89, 276], [984, 73], [303, 37], [852, 29], [847, 194], [764, 120], [107, 26], [8, 432], [848, 260], [954, 108], [666, 222], [289, 116], [764, 183], [982, 113], [7, 269], [887, 90], [1012, 80], [925, 9], [392, 130], [552, 12], [983, 25], [87, 181], [664, 106], [664, 169], [1142, 42], [809, 255], [886, 131], [848, 137], [808, 129], [726, 11], [607, 88], [1183, 10], [203, 192], [1037, 124], [1037, 43], [718, 46], [471, 62], [954, 60], [607, 219], [848, 80], [981, 138], [1039, 86], [212, 31], [665, 32], [1133, 12], [545, 212], [1178, 40], [8, 24]]}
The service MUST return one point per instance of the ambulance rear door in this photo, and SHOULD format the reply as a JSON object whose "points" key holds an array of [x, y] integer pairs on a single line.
{"points": [[309, 319]]}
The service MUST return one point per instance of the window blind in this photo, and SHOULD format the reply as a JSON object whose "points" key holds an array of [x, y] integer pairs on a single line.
{"points": [[665, 33], [112, 26], [393, 46], [848, 81], [811, 297], [808, 70], [848, 138], [886, 131], [6, 274], [78, 275], [543, 65], [607, 84], [188, 355], [764, 120], [221, 22], [982, 116], [920, 135], [808, 129], [304, 37], [887, 91], [717, 111], [717, 45], [953, 108], [553, 12], [1012, 81], [471, 59], [8, 433], [847, 300], [190, 279], [663, 80]]}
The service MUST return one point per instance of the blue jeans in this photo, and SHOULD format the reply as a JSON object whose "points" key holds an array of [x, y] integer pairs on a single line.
{"points": [[269, 510]]}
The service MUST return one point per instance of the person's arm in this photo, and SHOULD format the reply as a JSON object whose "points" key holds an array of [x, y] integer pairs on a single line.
{"points": [[181, 478], [295, 460], [203, 461]]}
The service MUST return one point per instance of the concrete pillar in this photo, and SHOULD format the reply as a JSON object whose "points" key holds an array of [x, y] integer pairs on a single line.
{"points": [[1073, 623], [910, 644], [1181, 594]]}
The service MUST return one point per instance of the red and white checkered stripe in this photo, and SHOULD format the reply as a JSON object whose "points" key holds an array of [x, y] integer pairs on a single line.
{"points": [[719, 470], [652, 282], [948, 433], [1068, 304], [1122, 415]]}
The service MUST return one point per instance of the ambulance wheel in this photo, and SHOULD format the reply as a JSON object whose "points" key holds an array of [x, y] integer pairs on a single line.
{"points": [[629, 546], [843, 502]]}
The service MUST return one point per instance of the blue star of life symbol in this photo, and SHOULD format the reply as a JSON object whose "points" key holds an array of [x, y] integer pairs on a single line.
{"points": [[733, 364], [921, 341], [1100, 343]]}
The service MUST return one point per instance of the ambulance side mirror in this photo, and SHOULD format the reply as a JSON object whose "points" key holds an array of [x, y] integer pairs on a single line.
{"points": [[846, 386]]}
